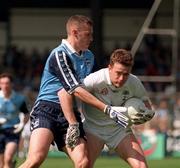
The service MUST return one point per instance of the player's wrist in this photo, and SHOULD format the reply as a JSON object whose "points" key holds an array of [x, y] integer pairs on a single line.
{"points": [[107, 109], [72, 120], [76, 124]]}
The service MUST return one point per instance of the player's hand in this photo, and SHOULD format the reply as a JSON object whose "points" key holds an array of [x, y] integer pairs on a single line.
{"points": [[118, 115], [2, 120], [140, 115], [72, 136], [19, 127], [147, 114]]}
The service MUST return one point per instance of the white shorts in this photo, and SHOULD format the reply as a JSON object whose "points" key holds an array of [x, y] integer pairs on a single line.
{"points": [[111, 135]]}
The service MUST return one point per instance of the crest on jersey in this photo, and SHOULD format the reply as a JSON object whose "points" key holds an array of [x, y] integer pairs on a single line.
{"points": [[104, 91]]}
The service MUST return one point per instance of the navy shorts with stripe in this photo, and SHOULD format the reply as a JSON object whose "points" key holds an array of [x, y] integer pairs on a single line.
{"points": [[6, 136], [49, 115]]}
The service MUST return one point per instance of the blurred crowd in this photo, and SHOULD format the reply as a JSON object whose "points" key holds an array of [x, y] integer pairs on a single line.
{"points": [[26, 67], [153, 58]]}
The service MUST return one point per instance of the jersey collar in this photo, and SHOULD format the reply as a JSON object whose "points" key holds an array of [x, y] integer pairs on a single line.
{"points": [[71, 50], [2, 95]]}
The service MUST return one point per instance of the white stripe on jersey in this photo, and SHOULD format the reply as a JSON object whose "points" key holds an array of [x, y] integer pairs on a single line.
{"points": [[69, 70]]}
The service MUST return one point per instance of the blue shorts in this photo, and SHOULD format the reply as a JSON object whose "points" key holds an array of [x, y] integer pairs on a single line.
{"points": [[49, 115], [6, 136]]}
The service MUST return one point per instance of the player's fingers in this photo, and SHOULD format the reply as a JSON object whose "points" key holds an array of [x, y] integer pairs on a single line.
{"points": [[124, 124]]}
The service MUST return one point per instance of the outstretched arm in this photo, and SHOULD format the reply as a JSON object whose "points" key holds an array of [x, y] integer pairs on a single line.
{"points": [[67, 106], [87, 97]]}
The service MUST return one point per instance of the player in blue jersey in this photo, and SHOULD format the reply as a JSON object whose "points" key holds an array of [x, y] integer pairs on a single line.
{"points": [[13, 116], [65, 68]]}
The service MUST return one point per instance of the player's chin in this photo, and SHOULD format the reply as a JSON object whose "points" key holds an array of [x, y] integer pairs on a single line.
{"points": [[118, 85], [86, 46]]}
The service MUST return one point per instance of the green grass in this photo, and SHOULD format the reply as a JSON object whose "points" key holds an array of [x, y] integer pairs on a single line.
{"points": [[108, 162]]}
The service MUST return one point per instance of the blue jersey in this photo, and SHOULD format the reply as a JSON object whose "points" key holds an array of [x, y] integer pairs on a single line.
{"points": [[10, 108], [66, 69]]}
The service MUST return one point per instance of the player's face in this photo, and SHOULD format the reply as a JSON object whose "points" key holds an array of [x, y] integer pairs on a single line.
{"points": [[119, 74], [84, 37], [5, 84]]}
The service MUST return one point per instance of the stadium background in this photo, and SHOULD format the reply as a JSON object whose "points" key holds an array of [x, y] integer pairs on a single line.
{"points": [[30, 29]]}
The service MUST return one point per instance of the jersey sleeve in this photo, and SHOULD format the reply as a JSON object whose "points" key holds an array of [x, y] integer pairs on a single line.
{"points": [[62, 67], [92, 81], [88, 82]]}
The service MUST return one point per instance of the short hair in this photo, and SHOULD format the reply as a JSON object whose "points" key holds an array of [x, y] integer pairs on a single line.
{"points": [[78, 20], [7, 75], [122, 56]]}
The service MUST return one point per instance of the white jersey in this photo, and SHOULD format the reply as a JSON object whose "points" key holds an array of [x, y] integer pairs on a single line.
{"points": [[99, 84]]}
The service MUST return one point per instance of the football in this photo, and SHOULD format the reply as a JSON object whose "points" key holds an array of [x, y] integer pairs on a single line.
{"points": [[135, 107], [134, 102]]}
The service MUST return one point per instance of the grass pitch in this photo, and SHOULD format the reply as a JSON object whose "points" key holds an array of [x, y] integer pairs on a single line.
{"points": [[108, 162]]}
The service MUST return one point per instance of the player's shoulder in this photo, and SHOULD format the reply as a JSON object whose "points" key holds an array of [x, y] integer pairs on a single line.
{"points": [[98, 76], [89, 52], [133, 78], [57, 50], [18, 96], [56, 53]]}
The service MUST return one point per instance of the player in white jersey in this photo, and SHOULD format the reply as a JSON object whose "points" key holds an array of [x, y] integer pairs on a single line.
{"points": [[114, 85]]}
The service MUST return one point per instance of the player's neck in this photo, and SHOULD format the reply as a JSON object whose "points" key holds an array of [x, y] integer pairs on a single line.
{"points": [[7, 95], [74, 45]]}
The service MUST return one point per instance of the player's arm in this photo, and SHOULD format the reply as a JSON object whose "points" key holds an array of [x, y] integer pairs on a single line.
{"points": [[23, 117], [62, 67], [67, 106], [114, 113], [117, 114], [87, 97], [148, 104], [73, 132], [140, 92], [25, 111]]}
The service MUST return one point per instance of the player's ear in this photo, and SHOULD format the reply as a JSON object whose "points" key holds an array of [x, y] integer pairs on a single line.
{"points": [[75, 33], [110, 66]]}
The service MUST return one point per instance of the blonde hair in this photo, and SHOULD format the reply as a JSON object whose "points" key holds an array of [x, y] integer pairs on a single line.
{"points": [[78, 21]]}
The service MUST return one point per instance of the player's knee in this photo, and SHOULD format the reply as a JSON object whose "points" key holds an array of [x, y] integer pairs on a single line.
{"points": [[1, 164], [83, 163], [34, 162], [38, 159], [8, 160], [139, 164]]}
